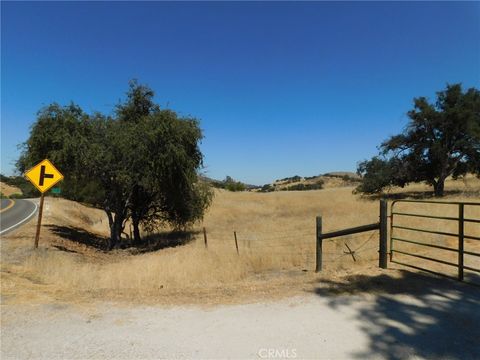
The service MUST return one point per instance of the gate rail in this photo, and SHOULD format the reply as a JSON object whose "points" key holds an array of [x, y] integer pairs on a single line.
{"points": [[381, 225], [460, 234]]}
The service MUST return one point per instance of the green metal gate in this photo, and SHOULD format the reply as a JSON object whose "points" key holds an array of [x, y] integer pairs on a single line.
{"points": [[438, 237]]}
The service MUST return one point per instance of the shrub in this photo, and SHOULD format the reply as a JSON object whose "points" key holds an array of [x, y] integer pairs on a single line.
{"points": [[267, 188], [305, 187]]}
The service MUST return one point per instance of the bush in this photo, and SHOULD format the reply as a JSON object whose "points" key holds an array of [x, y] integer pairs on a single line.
{"points": [[235, 186], [291, 179], [305, 187], [267, 188], [231, 185], [378, 174], [351, 179]]}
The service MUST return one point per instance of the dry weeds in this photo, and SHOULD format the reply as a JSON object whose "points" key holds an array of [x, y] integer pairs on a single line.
{"points": [[8, 190], [276, 234]]}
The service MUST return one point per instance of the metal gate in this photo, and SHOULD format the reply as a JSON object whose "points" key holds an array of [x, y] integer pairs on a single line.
{"points": [[438, 237]]}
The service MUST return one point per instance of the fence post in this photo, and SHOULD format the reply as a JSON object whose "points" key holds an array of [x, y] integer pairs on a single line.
{"points": [[382, 261], [236, 243], [460, 240], [205, 238], [318, 264]]}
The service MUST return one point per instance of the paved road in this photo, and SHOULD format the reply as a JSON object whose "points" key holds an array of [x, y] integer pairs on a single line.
{"points": [[5, 204], [14, 213]]}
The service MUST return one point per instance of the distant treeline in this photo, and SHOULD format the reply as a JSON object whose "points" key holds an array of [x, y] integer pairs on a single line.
{"points": [[229, 184], [296, 187], [304, 187]]}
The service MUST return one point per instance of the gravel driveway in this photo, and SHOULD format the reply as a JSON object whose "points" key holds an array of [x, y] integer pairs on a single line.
{"points": [[441, 319]]}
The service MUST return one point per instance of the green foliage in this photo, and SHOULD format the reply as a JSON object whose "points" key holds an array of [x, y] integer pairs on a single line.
{"points": [[379, 174], [291, 179], [267, 188], [441, 139], [236, 186], [61, 134], [140, 165], [18, 196], [305, 187], [344, 177], [231, 185], [351, 179]]}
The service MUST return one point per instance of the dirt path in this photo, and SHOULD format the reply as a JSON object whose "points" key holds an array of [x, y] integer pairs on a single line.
{"points": [[439, 320]]}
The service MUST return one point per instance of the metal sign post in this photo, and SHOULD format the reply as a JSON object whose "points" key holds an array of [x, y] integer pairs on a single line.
{"points": [[43, 176], [39, 222]]}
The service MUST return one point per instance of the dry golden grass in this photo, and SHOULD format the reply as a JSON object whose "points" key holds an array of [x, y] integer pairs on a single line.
{"points": [[276, 235], [8, 190], [329, 181]]}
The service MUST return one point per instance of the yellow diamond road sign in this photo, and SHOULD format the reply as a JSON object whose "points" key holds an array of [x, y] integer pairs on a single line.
{"points": [[44, 175]]}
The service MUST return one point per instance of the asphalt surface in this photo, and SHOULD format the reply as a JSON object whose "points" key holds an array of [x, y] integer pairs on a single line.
{"points": [[5, 203], [14, 213]]}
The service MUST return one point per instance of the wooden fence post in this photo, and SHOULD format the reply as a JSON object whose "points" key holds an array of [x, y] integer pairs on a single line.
{"points": [[318, 263], [382, 260], [461, 237], [236, 243], [205, 238]]}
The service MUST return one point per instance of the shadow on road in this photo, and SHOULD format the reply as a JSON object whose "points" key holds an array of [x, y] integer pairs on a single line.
{"points": [[414, 315]]}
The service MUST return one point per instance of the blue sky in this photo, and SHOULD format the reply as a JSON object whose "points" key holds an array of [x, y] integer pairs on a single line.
{"points": [[280, 88]]}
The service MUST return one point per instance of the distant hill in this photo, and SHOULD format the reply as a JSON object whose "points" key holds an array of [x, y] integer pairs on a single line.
{"points": [[222, 183], [17, 185], [8, 190], [343, 174], [327, 180]]}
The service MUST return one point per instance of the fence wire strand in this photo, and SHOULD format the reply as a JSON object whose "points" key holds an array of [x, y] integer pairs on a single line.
{"points": [[299, 247]]}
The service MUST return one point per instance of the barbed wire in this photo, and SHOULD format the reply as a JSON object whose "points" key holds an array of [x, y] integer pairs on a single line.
{"points": [[298, 244]]}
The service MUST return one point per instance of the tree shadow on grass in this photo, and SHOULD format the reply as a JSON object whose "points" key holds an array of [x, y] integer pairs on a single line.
{"points": [[148, 243], [417, 195], [162, 240], [412, 316], [80, 236]]}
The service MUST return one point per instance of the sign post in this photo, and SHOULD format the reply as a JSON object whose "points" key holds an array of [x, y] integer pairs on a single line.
{"points": [[43, 176], [39, 222]]}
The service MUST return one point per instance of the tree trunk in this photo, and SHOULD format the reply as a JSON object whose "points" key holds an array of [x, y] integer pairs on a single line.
{"points": [[438, 187], [116, 228], [136, 230]]}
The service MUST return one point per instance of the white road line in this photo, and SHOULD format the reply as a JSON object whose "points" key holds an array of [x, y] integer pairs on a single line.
{"points": [[20, 222]]}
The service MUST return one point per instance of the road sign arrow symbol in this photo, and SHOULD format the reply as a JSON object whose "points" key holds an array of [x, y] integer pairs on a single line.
{"points": [[44, 175]]}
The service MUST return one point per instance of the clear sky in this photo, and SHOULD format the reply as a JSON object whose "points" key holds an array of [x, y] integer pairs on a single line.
{"points": [[280, 88]]}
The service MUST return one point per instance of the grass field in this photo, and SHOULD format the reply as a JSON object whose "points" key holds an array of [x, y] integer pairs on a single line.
{"points": [[276, 237], [8, 190]]}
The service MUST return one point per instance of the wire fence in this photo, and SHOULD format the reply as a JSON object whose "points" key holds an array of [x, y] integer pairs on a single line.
{"points": [[297, 248]]}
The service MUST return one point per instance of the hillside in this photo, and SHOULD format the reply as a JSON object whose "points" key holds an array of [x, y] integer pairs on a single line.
{"points": [[328, 180], [276, 238], [325, 181], [9, 190]]}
